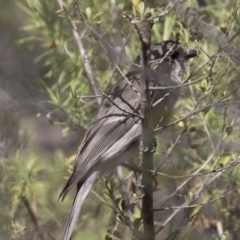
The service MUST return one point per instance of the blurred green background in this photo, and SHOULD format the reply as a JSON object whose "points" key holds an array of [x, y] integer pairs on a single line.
{"points": [[42, 123]]}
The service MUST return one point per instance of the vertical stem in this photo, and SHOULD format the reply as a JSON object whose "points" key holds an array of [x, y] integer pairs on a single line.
{"points": [[147, 202], [147, 167], [144, 31]]}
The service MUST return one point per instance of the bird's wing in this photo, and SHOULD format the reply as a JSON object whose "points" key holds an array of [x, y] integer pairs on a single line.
{"points": [[86, 188], [113, 122]]}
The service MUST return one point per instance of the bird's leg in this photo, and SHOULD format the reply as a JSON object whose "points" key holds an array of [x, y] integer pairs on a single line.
{"points": [[155, 182], [153, 149], [142, 149], [132, 168], [139, 183]]}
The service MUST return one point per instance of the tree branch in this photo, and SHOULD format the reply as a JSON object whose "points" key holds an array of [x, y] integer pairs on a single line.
{"points": [[82, 51], [43, 234], [143, 29]]}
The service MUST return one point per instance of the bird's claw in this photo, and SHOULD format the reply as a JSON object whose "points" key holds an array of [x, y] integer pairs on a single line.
{"points": [[147, 149]]}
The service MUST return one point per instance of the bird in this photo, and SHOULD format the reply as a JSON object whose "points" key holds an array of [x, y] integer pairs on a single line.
{"points": [[115, 134]]}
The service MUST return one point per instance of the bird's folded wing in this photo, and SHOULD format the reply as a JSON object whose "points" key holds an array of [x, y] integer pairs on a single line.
{"points": [[113, 122]]}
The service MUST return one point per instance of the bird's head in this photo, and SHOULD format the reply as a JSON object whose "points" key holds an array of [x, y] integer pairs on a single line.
{"points": [[168, 58]]}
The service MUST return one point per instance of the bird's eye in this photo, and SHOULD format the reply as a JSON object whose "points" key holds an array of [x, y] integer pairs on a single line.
{"points": [[175, 55]]}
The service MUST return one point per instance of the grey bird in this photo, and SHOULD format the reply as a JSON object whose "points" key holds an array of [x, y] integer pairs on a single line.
{"points": [[115, 134]]}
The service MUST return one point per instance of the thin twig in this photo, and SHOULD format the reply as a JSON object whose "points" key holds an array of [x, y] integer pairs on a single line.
{"points": [[43, 234], [121, 109], [215, 170], [184, 206], [194, 112], [82, 51]]}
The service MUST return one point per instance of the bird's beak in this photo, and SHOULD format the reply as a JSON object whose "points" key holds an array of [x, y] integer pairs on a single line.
{"points": [[191, 54]]}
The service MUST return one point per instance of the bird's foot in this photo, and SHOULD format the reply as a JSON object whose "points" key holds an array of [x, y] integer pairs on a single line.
{"points": [[148, 149]]}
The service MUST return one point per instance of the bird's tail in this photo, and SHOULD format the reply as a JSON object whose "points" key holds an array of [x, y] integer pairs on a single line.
{"points": [[77, 205]]}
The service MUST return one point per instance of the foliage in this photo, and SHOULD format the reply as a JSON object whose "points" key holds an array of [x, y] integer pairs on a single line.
{"points": [[196, 162]]}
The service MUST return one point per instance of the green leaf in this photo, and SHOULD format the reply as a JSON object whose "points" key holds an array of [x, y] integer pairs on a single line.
{"points": [[25, 9], [50, 93], [65, 131], [141, 8], [137, 223]]}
